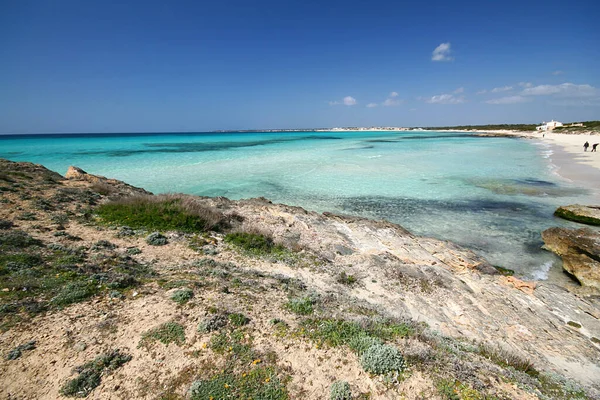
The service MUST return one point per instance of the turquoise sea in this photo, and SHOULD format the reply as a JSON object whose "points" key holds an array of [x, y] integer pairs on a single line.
{"points": [[493, 195]]}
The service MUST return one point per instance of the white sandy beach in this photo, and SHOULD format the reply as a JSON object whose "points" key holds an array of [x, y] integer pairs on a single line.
{"points": [[573, 163]]}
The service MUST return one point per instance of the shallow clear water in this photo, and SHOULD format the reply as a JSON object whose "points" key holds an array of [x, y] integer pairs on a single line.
{"points": [[493, 195]]}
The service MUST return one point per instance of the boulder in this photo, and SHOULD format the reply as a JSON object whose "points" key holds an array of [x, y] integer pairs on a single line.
{"points": [[579, 250], [589, 215], [75, 173]]}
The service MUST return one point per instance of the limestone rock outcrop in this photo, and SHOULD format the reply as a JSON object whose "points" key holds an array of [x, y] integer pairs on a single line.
{"points": [[589, 215], [103, 184], [580, 252]]}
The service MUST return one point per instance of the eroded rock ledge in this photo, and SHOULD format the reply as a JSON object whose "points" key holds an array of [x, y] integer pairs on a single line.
{"points": [[589, 215], [580, 252]]}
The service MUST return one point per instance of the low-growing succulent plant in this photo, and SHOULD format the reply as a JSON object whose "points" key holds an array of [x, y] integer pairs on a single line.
{"points": [[238, 319], [381, 359], [17, 351], [90, 374], [302, 306], [103, 244], [5, 224], [125, 231], [133, 251], [73, 293], [169, 332], [182, 296], [340, 390], [213, 323], [156, 239], [362, 343]]}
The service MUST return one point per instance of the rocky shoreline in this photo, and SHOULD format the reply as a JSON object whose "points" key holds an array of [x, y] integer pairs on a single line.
{"points": [[356, 270]]}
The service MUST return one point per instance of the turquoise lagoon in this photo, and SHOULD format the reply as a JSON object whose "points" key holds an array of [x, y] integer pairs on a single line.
{"points": [[492, 195]]}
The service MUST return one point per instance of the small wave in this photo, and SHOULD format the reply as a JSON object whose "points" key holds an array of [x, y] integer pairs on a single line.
{"points": [[542, 273], [377, 156]]}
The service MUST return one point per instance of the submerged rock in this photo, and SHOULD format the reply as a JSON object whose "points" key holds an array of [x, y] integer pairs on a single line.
{"points": [[589, 215], [580, 252]]}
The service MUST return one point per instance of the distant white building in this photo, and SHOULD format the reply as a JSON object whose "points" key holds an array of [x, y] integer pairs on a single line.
{"points": [[548, 126]]}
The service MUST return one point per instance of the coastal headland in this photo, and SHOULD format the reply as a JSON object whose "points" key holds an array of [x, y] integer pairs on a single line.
{"points": [[108, 291]]}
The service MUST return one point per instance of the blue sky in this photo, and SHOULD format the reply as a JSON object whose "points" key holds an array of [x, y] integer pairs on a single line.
{"points": [[156, 66]]}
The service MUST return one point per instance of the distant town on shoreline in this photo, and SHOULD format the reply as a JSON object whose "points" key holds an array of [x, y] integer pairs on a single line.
{"points": [[570, 127]]}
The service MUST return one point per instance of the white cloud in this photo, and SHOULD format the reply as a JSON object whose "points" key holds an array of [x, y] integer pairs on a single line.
{"points": [[558, 72], [509, 100], [442, 53], [525, 84], [371, 105], [482, 92], [502, 89], [349, 101], [391, 102], [446, 99], [394, 94], [562, 90], [459, 90]]}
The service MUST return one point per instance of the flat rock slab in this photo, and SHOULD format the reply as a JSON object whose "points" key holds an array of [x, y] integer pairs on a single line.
{"points": [[589, 215], [580, 251]]}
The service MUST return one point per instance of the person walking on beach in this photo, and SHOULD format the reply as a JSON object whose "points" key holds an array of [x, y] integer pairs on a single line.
{"points": [[594, 146], [585, 146]]}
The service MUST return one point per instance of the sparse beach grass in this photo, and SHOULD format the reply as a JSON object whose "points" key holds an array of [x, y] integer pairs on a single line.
{"points": [[163, 213]]}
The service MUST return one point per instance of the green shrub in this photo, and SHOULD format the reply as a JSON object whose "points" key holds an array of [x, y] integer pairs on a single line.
{"points": [[103, 244], [340, 390], [169, 332], [17, 239], [333, 332], [237, 319], [156, 239], [27, 216], [17, 351], [213, 323], [381, 359], [302, 306], [258, 383], [254, 243], [162, 213], [346, 279], [90, 374], [182, 296], [235, 344], [73, 293], [18, 261], [133, 251], [5, 224], [506, 358], [360, 344]]}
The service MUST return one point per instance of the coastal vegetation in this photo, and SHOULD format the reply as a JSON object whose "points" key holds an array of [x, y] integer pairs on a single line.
{"points": [[161, 213], [587, 126], [490, 127]]}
